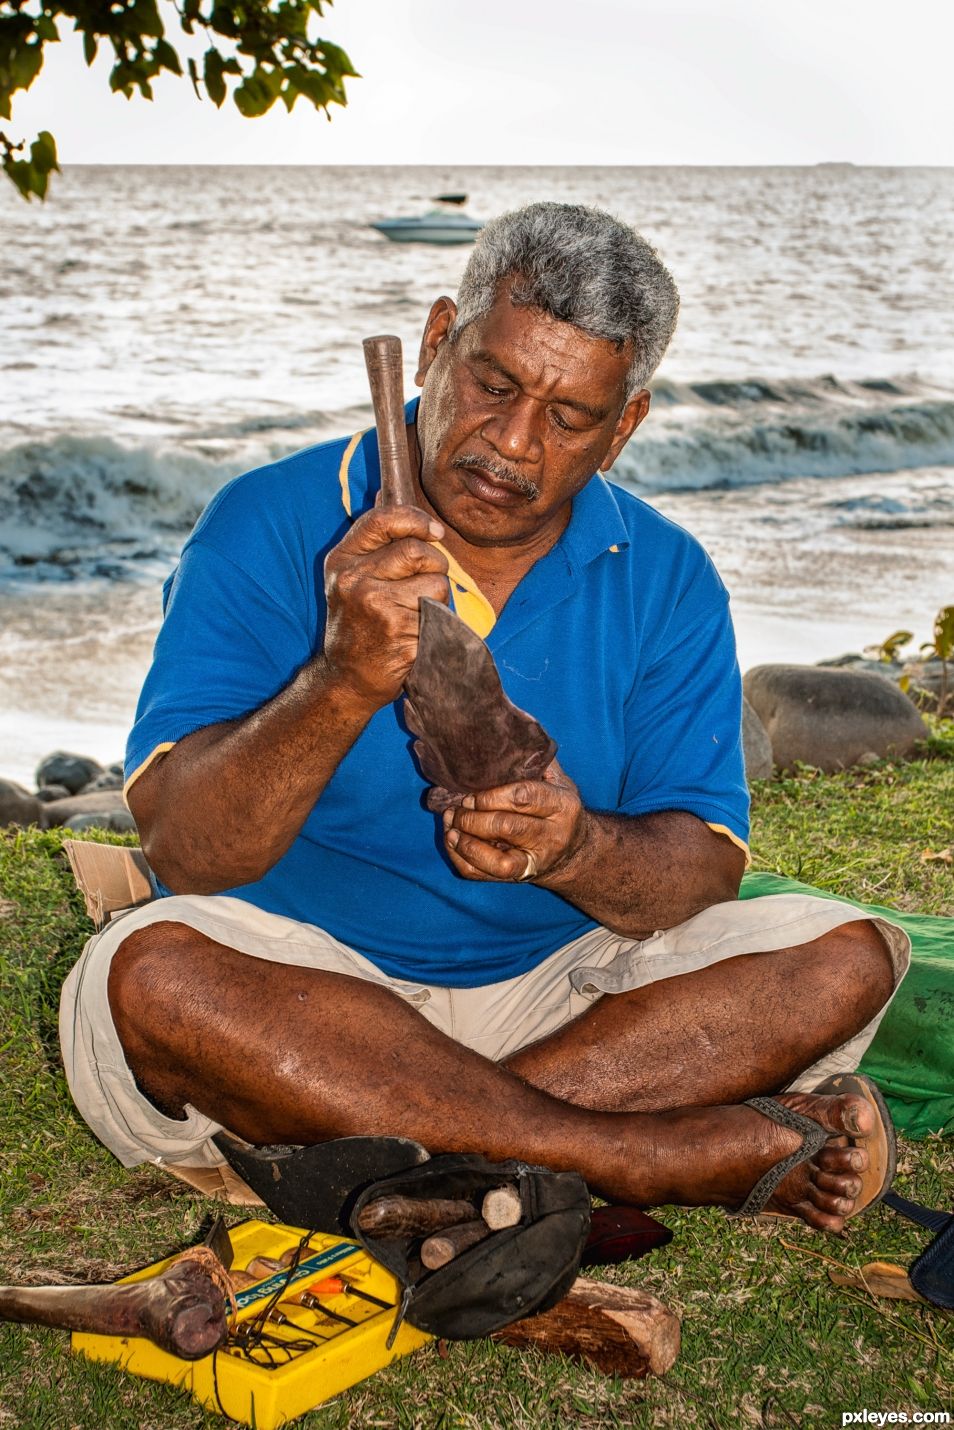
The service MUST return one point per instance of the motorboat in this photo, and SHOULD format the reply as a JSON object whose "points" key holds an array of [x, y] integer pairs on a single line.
{"points": [[446, 224]]}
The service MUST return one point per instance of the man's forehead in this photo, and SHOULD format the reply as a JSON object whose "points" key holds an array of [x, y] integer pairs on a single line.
{"points": [[509, 337]]}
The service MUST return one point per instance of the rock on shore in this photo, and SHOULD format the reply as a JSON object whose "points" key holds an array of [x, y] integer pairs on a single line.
{"points": [[99, 809], [73, 791], [18, 805], [831, 717], [756, 745]]}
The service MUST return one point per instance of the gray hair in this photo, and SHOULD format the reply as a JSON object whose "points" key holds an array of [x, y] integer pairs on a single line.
{"points": [[581, 266]]}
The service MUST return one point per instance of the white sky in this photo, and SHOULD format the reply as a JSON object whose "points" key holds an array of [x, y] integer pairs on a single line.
{"points": [[555, 82]]}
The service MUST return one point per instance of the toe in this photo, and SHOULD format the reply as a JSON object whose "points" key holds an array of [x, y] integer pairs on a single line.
{"points": [[830, 1202], [848, 1114], [846, 1185], [817, 1216], [841, 1160]]}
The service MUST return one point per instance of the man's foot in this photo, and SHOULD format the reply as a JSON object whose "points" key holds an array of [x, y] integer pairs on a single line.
{"points": [[716, 1155]]}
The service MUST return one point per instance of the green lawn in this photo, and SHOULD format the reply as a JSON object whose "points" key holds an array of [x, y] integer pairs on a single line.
{"points": [[767, 1340]]}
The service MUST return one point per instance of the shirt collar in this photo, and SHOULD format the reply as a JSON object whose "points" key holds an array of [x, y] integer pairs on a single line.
{"points": [[596, 522]]}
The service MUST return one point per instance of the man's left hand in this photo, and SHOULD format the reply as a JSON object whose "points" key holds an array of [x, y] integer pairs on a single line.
{"points": [[523, 832]]}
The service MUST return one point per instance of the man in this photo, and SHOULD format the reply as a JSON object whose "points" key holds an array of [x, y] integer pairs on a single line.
{"points": [[561, 970]]}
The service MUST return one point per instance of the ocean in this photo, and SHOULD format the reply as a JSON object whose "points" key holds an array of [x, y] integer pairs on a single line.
{"points": [[162, 329]]}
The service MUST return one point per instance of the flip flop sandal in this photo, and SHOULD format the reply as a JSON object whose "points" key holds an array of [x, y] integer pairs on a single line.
{"points": [[932, 1274], [881, 1145]]}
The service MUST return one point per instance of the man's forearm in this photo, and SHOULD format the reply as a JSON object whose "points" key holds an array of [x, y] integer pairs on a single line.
{"points": [[226, 803], [636, 875]]}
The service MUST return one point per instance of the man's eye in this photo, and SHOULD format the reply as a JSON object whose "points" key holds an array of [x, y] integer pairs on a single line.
{"points": [[560, 422], [494, 391]]}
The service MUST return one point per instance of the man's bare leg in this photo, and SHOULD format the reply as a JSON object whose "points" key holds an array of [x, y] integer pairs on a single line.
{"points": [[283, 1054], [739, 1028]]}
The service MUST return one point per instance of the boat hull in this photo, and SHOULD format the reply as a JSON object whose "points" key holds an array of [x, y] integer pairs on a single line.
{"points": [[410, 231]]}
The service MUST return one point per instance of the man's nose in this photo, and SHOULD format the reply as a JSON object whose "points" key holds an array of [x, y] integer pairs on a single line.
{"points": [[514, 432]]}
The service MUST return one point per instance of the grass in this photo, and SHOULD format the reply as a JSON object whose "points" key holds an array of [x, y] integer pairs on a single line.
{"points": [[767, 1339]]}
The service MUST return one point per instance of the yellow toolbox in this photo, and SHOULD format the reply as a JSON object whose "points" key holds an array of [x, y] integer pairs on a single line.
{"points": [[271, 1371]]}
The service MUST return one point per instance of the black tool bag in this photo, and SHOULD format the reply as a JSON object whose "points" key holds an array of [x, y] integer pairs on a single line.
{"points": [[511, 1273]]}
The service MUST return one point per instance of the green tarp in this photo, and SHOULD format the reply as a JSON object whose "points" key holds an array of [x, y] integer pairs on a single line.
{"points": [[912, 1056]]}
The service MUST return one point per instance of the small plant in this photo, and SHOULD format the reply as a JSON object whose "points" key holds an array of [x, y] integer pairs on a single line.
{"points": [[941, 648], [887, 651]]}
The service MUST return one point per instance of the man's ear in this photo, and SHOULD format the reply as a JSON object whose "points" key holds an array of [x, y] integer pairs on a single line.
{"points": [[438, 325], [629, 419]]}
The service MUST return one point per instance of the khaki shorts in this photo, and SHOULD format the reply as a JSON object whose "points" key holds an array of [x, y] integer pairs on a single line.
{"points": [[495, 1020]]}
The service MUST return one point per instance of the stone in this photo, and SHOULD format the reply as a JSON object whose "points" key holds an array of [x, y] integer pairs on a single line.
{"points": [[63, 768], [829, 717], [46, 793], [922, 678], [18, 805], [102, 803], [926, 682], [117, 821], [892, 669], [109, 779], [756, 746]]}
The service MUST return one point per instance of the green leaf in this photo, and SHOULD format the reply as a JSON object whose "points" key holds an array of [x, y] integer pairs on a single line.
{"points": [[43, 152], [213, 68], [19, 171], [257, 94], [311, 84], [944, 632], [27, 63], [336, 60], [90, 46], [166, 57], [194, 76], [143, 18], [46, 29]]}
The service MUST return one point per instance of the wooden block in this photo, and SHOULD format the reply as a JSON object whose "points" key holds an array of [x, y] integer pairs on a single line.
{"points": [[616, 1329], [441, 1248], [502, 1208], [412, 1216]]}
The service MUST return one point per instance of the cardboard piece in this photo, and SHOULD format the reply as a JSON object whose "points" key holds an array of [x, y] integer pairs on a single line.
{"points": [[110, 877]]}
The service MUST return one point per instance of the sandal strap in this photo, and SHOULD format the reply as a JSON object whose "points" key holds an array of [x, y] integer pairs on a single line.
{"points": [[814, 1137], [914, 1211]]}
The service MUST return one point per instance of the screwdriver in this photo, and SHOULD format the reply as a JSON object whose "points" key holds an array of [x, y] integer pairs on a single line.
{"points": [[337, 1286], [305, 1298]]}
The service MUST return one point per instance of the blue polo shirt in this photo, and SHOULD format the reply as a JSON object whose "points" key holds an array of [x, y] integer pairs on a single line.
{"points": [[618, 640]]}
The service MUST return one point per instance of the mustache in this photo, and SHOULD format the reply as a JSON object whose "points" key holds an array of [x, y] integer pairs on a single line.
{"points": [[502, 471]]}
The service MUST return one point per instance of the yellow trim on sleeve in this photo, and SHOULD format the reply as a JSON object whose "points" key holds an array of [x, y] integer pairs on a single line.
{"points": [[724, 829], [159, 750], [348, 453], [470, 603]]}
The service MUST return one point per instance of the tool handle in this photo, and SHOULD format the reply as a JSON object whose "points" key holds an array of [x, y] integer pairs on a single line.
{"points": [[382, 356], [501, 1208], [412, 1216], [441, 1248]]}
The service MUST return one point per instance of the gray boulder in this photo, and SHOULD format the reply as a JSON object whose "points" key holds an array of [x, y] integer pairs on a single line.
{"points": [[63, 768], [117, 821], [102, 805], [111, 778], [756, 745], [923, 678], [18, 805], [46, 793], [830, 717]]}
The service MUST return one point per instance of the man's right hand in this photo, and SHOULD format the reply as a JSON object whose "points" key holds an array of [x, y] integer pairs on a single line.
{"points": [[374, 580]]}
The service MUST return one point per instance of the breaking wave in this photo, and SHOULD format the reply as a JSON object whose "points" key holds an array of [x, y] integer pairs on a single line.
{"points": [[76, 505], [732, 434], [73, 502]]}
